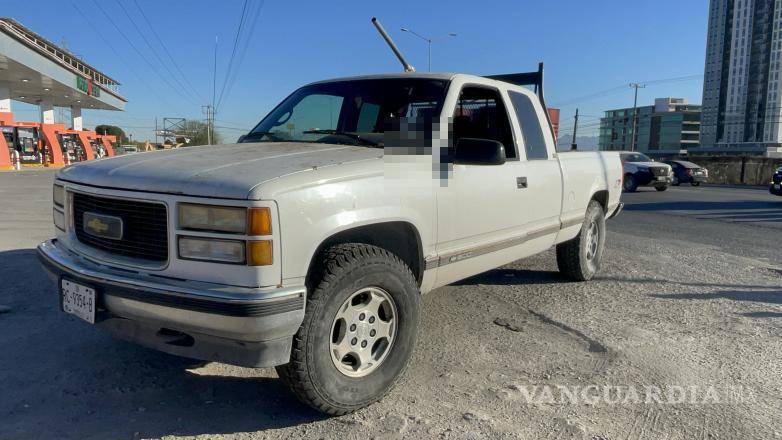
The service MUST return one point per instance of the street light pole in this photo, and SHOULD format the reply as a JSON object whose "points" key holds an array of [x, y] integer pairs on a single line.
{"points": [[428, 42]]}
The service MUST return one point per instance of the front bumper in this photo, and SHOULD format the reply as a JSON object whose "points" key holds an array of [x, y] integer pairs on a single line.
{"points": [[236, 325], [776, 191], [615, 210]]}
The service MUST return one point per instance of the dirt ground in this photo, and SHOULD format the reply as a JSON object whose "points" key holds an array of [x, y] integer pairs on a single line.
{"points": [[679, 337]]}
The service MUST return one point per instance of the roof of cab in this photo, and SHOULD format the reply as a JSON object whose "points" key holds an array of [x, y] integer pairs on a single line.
{"points": [[446, 76], [422, 75]]}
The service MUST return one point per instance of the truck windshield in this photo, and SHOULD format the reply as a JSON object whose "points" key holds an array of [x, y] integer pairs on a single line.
{"points": [[355, 112], [635, 157]]}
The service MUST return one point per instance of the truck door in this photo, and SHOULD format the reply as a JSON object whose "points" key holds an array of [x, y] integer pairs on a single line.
{"points": [[482, 211], [540, 167]]}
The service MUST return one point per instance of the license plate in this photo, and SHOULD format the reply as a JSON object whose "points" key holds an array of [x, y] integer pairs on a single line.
{"points": [[78, 300], [776, 186]]}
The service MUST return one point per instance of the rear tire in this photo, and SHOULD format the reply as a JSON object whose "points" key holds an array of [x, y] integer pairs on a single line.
{"points": [[630, 184], [579, 259], [339, 360], [695, 183], [661, 188]]}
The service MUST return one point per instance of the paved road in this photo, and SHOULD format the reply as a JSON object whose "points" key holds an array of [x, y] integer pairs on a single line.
{"points": [[688, 302]]}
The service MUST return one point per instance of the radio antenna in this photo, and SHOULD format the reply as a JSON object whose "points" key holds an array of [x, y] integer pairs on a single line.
{"points": [[384, 34]]}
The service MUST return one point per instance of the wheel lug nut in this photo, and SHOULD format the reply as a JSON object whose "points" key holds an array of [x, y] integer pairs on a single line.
{"points": [[363, 344], [371, 319], [353, 341], [352, 327], [372, 333], [361, 317]]}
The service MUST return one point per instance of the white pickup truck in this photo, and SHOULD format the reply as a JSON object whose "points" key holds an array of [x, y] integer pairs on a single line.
{"points": [[308, 244]]}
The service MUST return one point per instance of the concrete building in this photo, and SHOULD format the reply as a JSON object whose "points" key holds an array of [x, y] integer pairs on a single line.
{"points": [[668, 126], [741, 95]]}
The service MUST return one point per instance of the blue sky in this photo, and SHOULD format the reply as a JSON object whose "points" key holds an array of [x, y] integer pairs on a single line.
{"points": [[588, 47]]}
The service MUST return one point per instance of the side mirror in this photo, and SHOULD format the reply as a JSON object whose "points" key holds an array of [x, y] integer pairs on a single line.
{"points": [[241, 139], [473, 151]]}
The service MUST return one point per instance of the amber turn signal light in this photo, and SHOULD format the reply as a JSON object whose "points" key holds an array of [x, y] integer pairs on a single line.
{"points": [[259, 253], [260, 221]]}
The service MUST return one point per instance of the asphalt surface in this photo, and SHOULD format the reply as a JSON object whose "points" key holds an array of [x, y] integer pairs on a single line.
{"points": [[688, 301]]}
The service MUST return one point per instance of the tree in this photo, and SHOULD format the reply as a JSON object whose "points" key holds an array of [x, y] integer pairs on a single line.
{"points": [[196, 131], [114, 131]]}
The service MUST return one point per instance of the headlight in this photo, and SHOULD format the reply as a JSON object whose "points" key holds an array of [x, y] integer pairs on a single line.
{"points": [[213, 218], [209, 249], [58, 195], [59, 219]]}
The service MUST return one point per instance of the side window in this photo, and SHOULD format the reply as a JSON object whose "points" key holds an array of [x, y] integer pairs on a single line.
{"points": [[531, 129], [480, 114]]}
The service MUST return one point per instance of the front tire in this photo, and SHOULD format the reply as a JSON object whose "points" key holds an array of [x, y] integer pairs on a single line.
{"points": [[630, 183], [661, 188], [695, 183], [358, 333], [579, 259]]}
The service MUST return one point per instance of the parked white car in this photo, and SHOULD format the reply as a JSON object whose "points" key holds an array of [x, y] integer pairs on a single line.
{"points": [[307, 245]]}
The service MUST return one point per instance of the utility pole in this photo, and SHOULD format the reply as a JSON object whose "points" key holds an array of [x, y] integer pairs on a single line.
{"points": [[635, 86], [209, 111], [574, 146]]}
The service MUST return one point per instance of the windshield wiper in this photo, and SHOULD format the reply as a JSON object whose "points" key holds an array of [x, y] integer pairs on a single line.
{"points": [[257, 135], [353, 136]]}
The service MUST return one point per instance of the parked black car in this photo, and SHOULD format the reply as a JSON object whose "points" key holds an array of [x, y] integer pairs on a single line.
{"points": [[640, 170], [687, 172], [776, 183]]}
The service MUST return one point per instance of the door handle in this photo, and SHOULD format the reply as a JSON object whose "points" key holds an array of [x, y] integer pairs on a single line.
{"points": [[521, 182]]}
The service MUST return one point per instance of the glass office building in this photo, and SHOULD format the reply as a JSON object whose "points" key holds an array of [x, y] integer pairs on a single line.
{"points": [[741, 96], [670, 125]]}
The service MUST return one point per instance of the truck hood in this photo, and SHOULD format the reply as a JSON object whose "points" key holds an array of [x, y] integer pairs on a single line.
{"points": [[650, 164], [222, 171]]}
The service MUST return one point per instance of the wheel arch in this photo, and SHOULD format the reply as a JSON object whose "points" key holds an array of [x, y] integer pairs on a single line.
{"points": [[601, 197], [398, 237]]}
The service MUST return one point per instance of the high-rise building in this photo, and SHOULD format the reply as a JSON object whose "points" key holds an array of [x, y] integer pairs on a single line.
{"points": [[741, 94], [667, 127]]}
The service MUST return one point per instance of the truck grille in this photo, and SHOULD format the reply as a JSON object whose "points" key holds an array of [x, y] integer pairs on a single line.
{"points": [[145, 228], [659, 171]]}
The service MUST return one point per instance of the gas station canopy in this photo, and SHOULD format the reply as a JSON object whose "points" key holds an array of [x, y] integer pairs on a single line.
{"points": [[35, 70]]}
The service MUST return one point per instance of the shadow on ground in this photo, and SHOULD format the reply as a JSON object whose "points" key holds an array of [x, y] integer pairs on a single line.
{"points": [[735, 205], [62, 378], [768, 297], [513, 277]]}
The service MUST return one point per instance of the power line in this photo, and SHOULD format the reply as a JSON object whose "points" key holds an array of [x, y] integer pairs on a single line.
{"points": [[165, 49], [253, 20], [120, 57], [154, 52], [617, 89], [138, 52], [233, 52]]}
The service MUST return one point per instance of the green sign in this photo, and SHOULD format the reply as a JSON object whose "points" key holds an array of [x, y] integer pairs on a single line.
{"points": [[86, 86]]}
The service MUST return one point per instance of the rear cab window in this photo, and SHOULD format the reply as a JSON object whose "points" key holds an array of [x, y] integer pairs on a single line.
{"points": [[530, 126]]}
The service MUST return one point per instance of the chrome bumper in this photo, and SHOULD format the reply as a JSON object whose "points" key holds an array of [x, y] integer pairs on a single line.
{"points": [[237, 325]]}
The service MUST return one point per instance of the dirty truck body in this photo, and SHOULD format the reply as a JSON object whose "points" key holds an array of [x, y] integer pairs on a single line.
{"points": [[307, 245]]}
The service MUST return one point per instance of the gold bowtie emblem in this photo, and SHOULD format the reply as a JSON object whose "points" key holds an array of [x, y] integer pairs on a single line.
{"points": [[98, 226]]}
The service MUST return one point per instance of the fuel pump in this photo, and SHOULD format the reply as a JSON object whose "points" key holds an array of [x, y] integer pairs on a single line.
{"points": [[8, 135], [27, 145], [71, 149]]}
